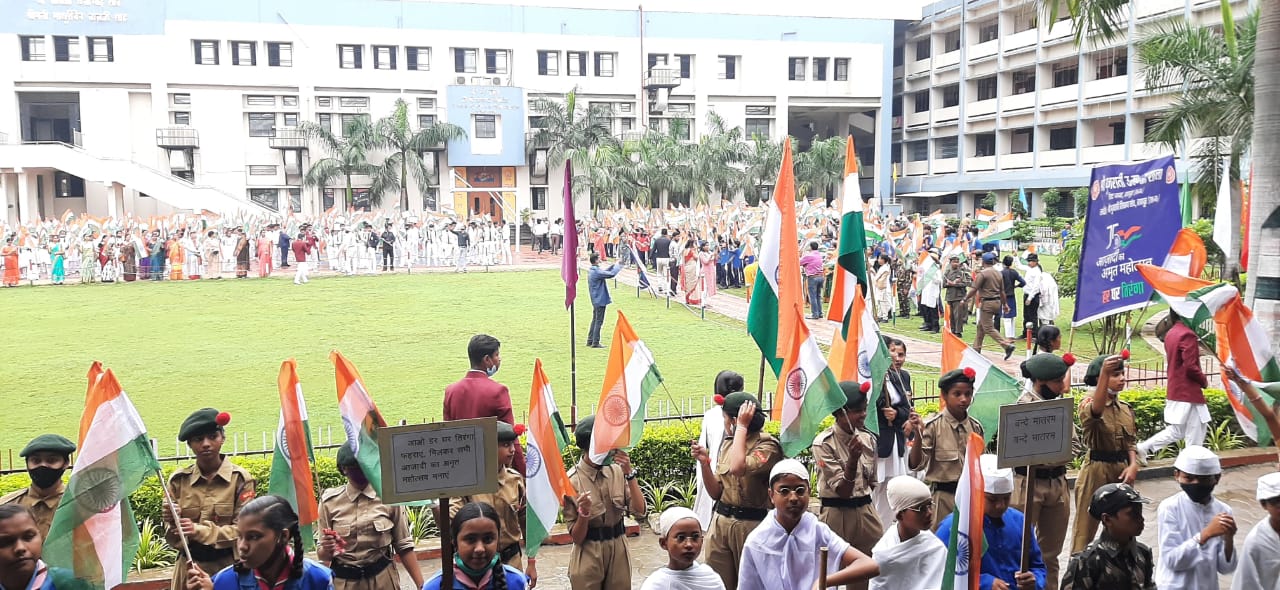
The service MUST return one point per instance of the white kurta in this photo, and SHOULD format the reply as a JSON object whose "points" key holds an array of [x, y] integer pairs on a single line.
{"points": [[916, 564], [773, 559], [711, 437], [1184, 564], [698, 577], [1259, 559]]}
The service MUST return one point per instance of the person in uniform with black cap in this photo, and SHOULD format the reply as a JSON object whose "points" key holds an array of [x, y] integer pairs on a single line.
{"points": [[209, 495], [845, 454], [1049, 378], [48, 456], [607, 491], [1117, 559], [358, 534], [990, 298], [1111, 433], [508, 501], [939, 449], [739, 482]]}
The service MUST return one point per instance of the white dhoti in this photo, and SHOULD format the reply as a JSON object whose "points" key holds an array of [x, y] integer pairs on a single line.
{"points": [[711, 437], [1183, 421], [887, 468]]}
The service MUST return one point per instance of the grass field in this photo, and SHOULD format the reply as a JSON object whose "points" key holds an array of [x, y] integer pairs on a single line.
{"points": [[180, 347]]}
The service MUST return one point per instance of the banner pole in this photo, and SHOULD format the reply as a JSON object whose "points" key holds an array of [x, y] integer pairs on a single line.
{"points": [[760, 388], [573, 366]]}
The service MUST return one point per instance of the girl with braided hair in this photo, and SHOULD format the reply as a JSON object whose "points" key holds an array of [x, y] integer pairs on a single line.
{"points": [[476, 564], [270, 549]]}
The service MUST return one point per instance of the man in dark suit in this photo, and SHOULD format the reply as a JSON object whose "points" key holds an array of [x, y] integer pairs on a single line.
{"points": [[477, 395]]}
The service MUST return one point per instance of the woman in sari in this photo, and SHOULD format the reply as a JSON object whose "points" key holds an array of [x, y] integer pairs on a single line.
{"points": [[264, 255], [881, 281], [242, 254], [129, 260], [59, 256], [177, 256], [708, 260], [10, 255], [88, 261], [213, 255], [690, 274], [106, 266]]}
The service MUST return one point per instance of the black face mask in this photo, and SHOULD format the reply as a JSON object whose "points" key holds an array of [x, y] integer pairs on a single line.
{"points": [[1198, 492], [45, 477], [1047, 393]]}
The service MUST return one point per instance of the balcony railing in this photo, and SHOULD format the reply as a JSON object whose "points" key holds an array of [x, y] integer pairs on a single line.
{"points": [[662, 78], [176, 137], [288, 138]]}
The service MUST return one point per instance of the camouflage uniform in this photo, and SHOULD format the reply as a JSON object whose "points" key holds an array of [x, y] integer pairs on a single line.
{"points": [[1105, 564], [902, 279]]}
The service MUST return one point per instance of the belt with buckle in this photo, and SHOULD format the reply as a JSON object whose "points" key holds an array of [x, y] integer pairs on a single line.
{"points": [[509, 551], [1109, 456], [1049, 473], [740, 512], [854, 502], [359, 572], [944, 486], [604, 533]]}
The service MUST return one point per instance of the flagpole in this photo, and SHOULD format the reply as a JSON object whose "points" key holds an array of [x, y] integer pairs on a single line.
{"points": [[173, 508], [760, 388], [573, 367]]}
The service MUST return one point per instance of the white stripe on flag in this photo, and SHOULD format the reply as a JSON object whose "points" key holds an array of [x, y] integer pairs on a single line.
{"points": [[104, 529], [115, 424]]}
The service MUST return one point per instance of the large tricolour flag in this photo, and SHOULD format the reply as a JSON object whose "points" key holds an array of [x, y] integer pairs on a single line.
{"points": [[864, 358], [546, 482], [629, 380], [291, 462], [851, 260], [992, 387], [1000, 229], [94, 533], [360, 418], [1187, 255], [966, 545]]}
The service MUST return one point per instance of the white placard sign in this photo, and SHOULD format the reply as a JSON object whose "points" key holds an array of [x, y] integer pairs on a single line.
{"points": [[439, 460], [1036, 433]]}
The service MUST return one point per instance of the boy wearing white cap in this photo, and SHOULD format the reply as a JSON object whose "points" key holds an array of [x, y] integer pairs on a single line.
{"points": [[1197, 531], [910, 558], [1002, 529], [779, 554], [680, 534], [1260, 557]]}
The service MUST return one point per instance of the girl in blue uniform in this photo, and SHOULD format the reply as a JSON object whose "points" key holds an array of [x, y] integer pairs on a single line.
{"points": [[270, 549], [476, 565]]}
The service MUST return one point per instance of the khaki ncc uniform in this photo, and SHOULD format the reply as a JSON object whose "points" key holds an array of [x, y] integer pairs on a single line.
{"points": [[942, 445], [212, 504], [853, 517], [41, 506], [1109, 438], [373, 532], [509, 502], [744, 502], [1052, 507], [601, 561]]}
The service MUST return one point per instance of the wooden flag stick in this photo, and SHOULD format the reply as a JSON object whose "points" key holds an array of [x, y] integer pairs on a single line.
{"points": [[822, 567], [177, 518]]}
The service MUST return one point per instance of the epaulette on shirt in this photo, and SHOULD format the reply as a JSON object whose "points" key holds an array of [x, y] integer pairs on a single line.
{"points": [[823, 436], [330, 493]]}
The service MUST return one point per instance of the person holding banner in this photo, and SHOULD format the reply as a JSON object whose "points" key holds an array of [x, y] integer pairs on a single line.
{"points": [[475, 560], [1110, 432], [607, 491], [1186, 412], [938, 451], [1048, 378]]}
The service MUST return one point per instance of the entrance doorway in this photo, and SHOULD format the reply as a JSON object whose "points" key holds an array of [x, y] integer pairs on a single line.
{"points": [[50, 116], [486, 204]]}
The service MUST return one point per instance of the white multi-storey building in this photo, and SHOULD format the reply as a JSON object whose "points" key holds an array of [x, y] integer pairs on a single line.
{"points": [[149, 107], [992, 98]]}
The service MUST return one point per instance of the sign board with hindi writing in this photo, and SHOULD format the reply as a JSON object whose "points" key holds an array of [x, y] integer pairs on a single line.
{"points": [[439, 460], [1036, 433]]}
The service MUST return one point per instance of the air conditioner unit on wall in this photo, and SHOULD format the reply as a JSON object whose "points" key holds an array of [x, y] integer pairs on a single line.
{"points": [[462, 80]]}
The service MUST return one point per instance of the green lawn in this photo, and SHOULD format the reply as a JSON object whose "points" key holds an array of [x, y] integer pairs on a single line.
{"points": [[179, 347]]}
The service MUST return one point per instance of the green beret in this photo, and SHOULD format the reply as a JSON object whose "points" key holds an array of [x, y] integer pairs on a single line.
{"points": [[733, 402], [1045, 366], [49, 443], [853, 395], [1095, 369], [953, 377], [201, 421], [582, 432], [506, 432], [347, 456]]}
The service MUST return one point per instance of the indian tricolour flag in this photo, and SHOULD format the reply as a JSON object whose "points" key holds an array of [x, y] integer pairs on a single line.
{"points": [[291, 462], [94, 533], [851, 261], [546, 483], [966, 543], [992, 387], [984, 214], [629, 380], [360, 418], [1001, 228], [864, 357], [1187, 255]]}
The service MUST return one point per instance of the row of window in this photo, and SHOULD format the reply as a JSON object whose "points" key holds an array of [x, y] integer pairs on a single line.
{"points": [[796, 69], [208, 52], [1024, 81], [1021, 141], [67, 48]]}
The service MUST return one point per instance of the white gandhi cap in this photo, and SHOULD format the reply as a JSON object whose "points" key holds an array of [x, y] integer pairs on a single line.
{"points": [[994, 480]]}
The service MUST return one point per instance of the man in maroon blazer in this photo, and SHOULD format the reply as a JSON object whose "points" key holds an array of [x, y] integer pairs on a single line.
{"points": [[1186, 413], [477, 395]]}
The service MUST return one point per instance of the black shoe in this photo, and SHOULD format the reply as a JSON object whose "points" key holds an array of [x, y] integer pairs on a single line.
{"points": [[1008, 351], [595, 346]]}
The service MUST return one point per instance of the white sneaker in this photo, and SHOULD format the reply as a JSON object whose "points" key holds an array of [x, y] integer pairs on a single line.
{"points": [[1142, 455]]}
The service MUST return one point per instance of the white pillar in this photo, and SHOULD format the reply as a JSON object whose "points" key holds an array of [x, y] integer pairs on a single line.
{"points": [[8, 191], [28, 209], [115, 200]]}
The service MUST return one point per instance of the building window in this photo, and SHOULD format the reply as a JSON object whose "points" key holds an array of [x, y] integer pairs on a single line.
{"points": [[351, 57], [759, 110], [728, 67], [1117, 133], [289, 101], [179, 99], [989, 31], [899, 56], [426, 103], [922, 101], [1112, 63], [255, 100], [290, 119], [417, 58], [1063, 138], [945, 147], [180, 117], [1023, 141], [795, 71], [267, 197], [32, 48], [576, 62], [819, 68], [496, 61], [464, 61], [686, 65], [326, 121], [425, 121], [244, 53], [951, 41], [349, 119], [842, 69], [984, 145], [255, 170], [101, 48], [295, 199], [279, 55], [987, 88], [66, 48], [1149, 126], [1024, 81], [950, 95], [922, 49], [759, 128], [354, 102], [324, 102], [539, 198], [1065, 75], [486, 126], [604, 64], [628, 123], [918, 151], [657, 59], [548, 63], [384, 57], [206, 52], [262, 124]]}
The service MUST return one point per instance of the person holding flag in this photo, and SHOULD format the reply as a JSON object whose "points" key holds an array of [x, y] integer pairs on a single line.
{"points": [[1048, 378], [1186, 411], [940, 449], [598, 288], [845, 456], [208, 494], [548, 484], [47, 456], [607, 491], [358, 534], [508, 501]]}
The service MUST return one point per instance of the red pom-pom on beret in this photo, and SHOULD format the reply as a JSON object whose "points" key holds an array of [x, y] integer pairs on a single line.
{"points": [[223, 419], [1069, 358], [719, 399], [969, 372], [865, 387], [1124, 354], [520, 429]]}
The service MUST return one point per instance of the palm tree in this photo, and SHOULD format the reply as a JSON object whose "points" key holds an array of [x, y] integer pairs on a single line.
{"points": [[570, 134], [348, 157], [821, 168], [407, 145], [761, 164], [717, 161]]}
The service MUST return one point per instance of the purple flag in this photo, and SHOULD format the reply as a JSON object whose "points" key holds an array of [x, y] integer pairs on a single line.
{"points": [[569, 262]]}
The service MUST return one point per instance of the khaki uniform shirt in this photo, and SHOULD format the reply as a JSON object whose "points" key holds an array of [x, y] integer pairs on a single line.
{"points": [[989, 283], [831, 451], [1116, 430], [212, 504], [372, 530], [752, 489], [942, 446], [609, 494], [508, 501], [1029, 396], [41, 506]]}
